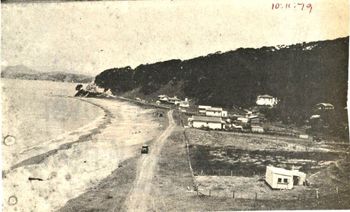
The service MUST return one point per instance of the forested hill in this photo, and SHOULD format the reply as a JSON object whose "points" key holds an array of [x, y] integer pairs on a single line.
{"points": [[299, 75]]}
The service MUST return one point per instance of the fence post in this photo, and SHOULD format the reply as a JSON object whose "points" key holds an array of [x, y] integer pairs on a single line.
{"points": [[209, 192], [316, 193], [233, 194], [337, 189], [231, 173], [256, 197]]}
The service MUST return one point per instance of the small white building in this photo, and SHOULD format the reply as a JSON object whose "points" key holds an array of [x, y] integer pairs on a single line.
{"points": [[205, 121], [266, 100], [279, 178]]}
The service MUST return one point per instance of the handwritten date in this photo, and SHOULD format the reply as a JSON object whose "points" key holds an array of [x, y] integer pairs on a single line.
{"points": [[300, 6]]}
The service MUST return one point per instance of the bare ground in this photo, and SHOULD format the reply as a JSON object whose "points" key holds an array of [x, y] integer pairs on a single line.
{"points": [[140, 197]]}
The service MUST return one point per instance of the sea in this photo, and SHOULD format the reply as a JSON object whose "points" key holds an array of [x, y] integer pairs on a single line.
{"points": [[36, 111]]}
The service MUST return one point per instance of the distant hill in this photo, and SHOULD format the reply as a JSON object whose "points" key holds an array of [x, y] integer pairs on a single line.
{"points": [[23, 72], [300, 75]]}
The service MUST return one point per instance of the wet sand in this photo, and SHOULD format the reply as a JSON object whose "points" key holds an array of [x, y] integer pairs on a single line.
{"points": [[63, 168]]}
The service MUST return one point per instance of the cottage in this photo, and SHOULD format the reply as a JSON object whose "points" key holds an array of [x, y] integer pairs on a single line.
{"points": [[324, 106], [206, 122], [163, 98], [266, 100], [257, 129], [184, 104], [279, 178]]}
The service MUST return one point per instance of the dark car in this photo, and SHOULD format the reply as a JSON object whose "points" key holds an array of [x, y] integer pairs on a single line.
{"points": [[144, 149], [317, 139]]}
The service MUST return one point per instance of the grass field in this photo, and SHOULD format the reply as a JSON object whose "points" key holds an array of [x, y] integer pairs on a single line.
{"points": [[227, 165]]}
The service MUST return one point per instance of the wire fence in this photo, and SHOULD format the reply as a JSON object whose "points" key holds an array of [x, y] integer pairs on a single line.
{"points": [[301, 194]]}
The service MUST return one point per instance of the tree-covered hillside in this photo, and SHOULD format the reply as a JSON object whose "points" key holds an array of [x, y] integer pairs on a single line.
{"points": [[299, 75]]}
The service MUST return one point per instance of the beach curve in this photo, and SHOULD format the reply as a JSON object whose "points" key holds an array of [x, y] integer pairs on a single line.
{"points": [[78, 165]]}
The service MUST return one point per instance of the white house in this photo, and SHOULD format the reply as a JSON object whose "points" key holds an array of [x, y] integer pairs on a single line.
{"points": [[215, 111], [205, 121], [257, 129], [203, 108], [279, 178], [266, 100], [324, 106], [185, 103]]}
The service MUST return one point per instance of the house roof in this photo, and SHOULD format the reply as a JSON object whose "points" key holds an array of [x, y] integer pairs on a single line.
{"points": [[286, 172], [207, 119], [265, 96], [315, 117], [174, 98], [325, 105], [203, 106], [214, 109]]}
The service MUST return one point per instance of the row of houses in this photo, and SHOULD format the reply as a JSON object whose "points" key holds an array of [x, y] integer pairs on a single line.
{"points": [[209, 117], [173, 100], [216, 118]]}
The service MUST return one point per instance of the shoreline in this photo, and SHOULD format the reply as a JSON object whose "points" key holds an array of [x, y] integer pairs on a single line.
{"points": [[79, 165], [62, 141]]}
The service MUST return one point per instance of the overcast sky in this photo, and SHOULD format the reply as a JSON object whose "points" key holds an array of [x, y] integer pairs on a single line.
{"points": [[88, 37]]}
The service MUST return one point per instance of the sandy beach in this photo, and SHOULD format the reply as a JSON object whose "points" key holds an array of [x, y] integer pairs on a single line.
{"points": [[46, 176]]}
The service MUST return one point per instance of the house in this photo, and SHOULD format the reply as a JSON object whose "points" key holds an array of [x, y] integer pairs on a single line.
{"points": [[324, 106], [206, 122], [236, 127], [203, 108], [266, 100], [185, 103], [254, 120], [279, 178], [215, 111], [174, 100], [163, 98], [243, 120], [257, 129]]}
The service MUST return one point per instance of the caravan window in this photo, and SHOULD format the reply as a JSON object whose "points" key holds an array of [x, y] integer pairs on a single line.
{"points": [[285, 180], [279, 180]]}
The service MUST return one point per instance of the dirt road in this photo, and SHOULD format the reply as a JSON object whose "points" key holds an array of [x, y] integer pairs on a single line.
{"points": [[140, 197]]}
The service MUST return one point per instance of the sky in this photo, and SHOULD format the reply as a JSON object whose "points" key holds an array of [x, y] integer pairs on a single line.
{"points": [[89, 37]]}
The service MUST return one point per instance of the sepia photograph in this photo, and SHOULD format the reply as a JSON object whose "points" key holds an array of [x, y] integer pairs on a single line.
{"points": [[172, 105]]}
